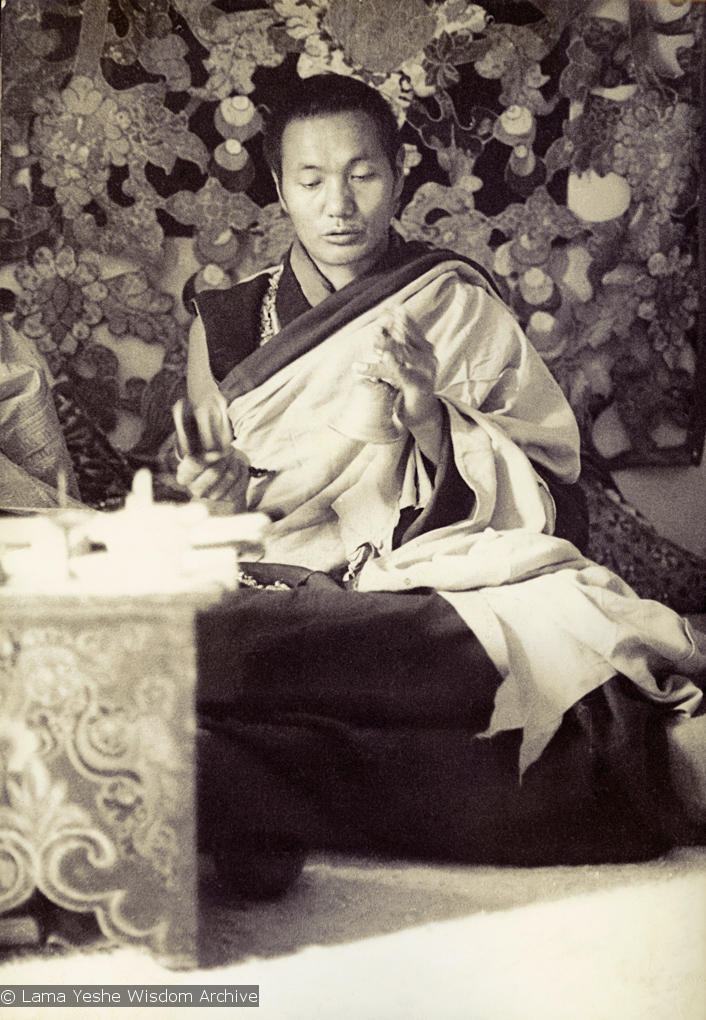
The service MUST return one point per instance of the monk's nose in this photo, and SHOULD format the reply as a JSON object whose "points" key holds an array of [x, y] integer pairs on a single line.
{"points": [[339, 199]]}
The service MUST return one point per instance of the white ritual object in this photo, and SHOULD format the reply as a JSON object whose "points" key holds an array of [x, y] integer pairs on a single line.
{"points": [[147, 548]]}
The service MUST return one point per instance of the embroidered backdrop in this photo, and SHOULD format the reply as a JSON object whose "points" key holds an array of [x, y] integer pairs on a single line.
{"points": [[556, 142]]}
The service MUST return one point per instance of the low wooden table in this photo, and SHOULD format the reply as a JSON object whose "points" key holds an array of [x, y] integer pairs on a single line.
{"points": [[97, 729]]}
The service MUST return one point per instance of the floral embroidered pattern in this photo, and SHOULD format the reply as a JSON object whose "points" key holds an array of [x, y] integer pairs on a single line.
{"points": [[86, 129], [96, 743], [556, 147]]}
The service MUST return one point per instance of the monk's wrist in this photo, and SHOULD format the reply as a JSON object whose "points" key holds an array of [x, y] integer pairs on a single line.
{"points": [[426, 425]]}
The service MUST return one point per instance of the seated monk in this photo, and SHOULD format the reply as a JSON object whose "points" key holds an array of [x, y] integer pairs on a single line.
{"points": [[442, 674]]}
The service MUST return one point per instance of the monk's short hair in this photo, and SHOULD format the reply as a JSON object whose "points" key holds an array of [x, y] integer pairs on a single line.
{"points": [[324, 95]]}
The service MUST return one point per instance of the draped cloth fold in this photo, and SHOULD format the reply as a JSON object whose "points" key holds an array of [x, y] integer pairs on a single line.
{"points": [[32, 447], [401, 266], [353, 720], [331, 491], [555, 624]]}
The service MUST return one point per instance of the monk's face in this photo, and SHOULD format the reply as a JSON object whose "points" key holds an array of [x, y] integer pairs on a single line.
{"points": [[340, 192]]}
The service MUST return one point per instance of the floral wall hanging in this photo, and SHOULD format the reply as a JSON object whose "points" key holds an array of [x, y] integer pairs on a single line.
{"points": [[557, 142]]}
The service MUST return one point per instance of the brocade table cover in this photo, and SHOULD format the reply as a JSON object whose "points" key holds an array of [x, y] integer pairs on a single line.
{"points": [[97, 730]]}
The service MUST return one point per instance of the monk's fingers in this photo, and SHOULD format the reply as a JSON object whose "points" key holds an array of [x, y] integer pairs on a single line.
{"points": [[189, 470], [234, 493], [214, 424], [385, 371], [366, 368], [411, 379], [417, 346], [374, 370], [406, 359], [396, 327], [399, 406], [212, 482], [388, 340], [387, 321], [203, 486], [226, 489], [415, 386], [407, 366], [391, 356], [383, 341], [406, 349], [406, 331], [234, 481]]}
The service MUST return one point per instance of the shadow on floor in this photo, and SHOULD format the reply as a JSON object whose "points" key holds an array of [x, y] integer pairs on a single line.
{"points": [[340, 899]]}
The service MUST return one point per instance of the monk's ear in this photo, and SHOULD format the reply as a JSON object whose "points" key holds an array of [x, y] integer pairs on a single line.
{"points": [[399, 171], [279, 192]]}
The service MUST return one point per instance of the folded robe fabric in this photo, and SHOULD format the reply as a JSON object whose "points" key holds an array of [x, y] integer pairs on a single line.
{"points": [[555, 624], [332, 492], [32, 446], [353, 720]]}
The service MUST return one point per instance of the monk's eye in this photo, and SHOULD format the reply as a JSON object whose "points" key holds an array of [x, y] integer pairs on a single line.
{"points": [[310, 184], [363, 177]]}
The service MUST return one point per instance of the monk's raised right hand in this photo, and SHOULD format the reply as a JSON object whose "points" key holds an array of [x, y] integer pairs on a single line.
{"points": [[219, 476]]}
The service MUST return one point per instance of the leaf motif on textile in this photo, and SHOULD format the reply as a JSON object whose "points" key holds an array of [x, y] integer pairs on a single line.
{"points": [[463, 229], [132, 231], [155, 134], [302, 18], [213, 207], [459, 16], [445, 131], [582, 72], [198, 14], [238, 44], [380, 37], [558, 156], [87, 128], [166, 56], [146, 20], [539, 217], [26, 73], [525, 40], [158, 398], [557, 17], [444, 55], [655, 150], [269, 238], [40, 807]]}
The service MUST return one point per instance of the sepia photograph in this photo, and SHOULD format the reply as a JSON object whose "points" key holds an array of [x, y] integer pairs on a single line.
{"points": [[353, 508]]}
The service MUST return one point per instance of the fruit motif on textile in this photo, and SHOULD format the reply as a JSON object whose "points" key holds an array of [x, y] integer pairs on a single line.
{"points": [[555, 142]]}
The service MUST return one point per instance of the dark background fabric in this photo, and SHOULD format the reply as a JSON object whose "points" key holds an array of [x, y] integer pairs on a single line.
{"points": [[147, 92]]}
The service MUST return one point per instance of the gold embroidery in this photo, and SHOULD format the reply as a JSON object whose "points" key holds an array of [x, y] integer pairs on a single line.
{"points": [[269, 324]]}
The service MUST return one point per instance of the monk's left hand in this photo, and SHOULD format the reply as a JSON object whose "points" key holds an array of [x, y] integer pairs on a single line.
{"points": [[407, 363]]}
